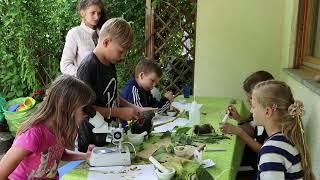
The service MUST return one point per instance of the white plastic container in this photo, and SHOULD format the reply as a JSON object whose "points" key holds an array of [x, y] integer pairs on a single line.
{"points": [[136, 139], [166, 176], [194, 113]]}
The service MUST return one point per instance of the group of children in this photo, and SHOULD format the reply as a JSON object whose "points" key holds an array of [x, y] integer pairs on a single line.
{"points": [[45, 139], [47, 136], [280, 151]]}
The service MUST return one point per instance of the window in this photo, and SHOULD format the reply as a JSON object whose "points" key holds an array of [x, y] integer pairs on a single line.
{"points": [[307, 54]]}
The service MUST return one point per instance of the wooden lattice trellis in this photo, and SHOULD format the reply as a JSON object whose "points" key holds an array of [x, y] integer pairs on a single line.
{"points": [[170, 40]]}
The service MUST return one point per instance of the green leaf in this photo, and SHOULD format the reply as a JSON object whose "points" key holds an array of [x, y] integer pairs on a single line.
{"points": [[19, 93], [10, 95], [182, 130], [165, 134]]}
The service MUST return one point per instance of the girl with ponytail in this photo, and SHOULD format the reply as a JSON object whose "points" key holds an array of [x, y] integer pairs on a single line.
{"points": [[284, 155]]}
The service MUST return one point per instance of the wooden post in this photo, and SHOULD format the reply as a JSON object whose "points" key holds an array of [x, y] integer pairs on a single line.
{"points": [[149, 50]]}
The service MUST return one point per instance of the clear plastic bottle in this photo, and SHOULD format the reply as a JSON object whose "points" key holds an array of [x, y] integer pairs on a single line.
{"points": [[194, 113]]}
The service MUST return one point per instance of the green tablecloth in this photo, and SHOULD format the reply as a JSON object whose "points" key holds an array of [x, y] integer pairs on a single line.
{"points": [[227, 162]]}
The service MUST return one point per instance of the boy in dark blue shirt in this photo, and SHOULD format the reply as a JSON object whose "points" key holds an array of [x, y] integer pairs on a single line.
{"points": [[138, 88]]}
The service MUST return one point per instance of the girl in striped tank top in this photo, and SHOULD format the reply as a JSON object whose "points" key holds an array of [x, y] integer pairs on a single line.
{"points": [[284, 154]]}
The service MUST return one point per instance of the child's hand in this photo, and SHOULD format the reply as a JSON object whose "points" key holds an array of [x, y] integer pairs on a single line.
{"points": [[169, 95], [140, 120], [230, 129], [145, 109], [89, 151], [141, 111], [233, 113], [129, 113]]}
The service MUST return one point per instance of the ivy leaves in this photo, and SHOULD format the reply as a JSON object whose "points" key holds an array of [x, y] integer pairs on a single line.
{"points": [[33, 36]]}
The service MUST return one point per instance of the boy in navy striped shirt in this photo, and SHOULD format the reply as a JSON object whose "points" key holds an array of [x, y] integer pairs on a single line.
{"points": [[137, 91], [284, 155]]}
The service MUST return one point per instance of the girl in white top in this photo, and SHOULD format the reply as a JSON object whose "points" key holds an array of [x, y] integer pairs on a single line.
{"points": [[81, 40]]}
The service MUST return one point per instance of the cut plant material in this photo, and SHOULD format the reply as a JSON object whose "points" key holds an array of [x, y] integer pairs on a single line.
{"points": [[182, 138], [203, 129]]}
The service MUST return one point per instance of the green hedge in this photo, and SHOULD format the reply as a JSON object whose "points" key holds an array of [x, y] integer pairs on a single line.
{"points": [[33, 34], [134, 12]]}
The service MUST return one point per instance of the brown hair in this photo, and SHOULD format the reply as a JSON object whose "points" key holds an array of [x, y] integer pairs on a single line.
{"points": [[148, 66], [278, 95], [255, 78], [119, 30], [84, 4], [63, 97]]}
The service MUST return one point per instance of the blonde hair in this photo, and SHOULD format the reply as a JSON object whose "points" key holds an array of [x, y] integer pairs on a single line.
{"points": [[119, 30], [64, 96], [278, 95]]}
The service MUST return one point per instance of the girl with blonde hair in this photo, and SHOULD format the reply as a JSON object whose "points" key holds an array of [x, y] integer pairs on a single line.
{"points": [[81, 40], [284, 155]]}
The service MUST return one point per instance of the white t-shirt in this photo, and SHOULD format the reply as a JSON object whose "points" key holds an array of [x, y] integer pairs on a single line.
{"points": [[78, 45]]}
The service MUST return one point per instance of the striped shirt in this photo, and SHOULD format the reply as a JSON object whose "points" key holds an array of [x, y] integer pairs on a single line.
{"points": [[279, 159]]}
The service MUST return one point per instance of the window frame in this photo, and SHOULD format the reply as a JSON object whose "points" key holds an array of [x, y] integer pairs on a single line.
{"points": [[303, 50]]}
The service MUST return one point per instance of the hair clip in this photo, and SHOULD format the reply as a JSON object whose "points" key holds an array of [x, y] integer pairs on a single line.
{"points": [[296, 109], [274, 107]]}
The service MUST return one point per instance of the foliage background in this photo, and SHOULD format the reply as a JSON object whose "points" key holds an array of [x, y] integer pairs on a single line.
{"points": [[174, 24], [33, 35]]}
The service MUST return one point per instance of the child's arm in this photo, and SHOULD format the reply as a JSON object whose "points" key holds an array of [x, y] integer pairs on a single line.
{"points": [[69, 155], [164, 103], [11, 160], [233, 113], [129, 97], [169, 95], [69, 56], [239, 131], [125, 103], [254, 145], [125, 113]]}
